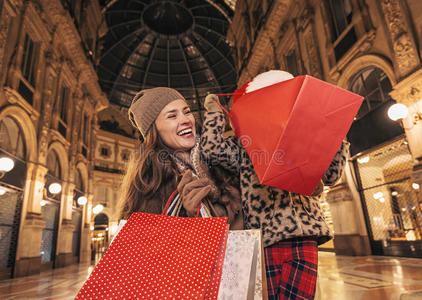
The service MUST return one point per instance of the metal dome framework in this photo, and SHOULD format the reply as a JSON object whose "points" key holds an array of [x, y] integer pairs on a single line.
{"points": [[178, 44]]}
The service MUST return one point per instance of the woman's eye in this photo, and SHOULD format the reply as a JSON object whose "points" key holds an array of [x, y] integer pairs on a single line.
{"points": [[187, 112], [171, 116]]}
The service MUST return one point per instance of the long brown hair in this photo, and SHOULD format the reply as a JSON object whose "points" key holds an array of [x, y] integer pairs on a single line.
{"points": [[151, 174]]}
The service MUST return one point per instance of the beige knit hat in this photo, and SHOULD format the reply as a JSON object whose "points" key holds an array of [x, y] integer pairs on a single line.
{"points": [[147, 105]]}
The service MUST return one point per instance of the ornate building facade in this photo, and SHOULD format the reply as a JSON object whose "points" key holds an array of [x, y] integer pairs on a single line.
{"points": [[371, 48], [49, 101], [70, 147]]}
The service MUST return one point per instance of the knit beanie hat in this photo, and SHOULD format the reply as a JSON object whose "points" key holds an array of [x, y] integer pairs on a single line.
{"points": [[147, 105]]}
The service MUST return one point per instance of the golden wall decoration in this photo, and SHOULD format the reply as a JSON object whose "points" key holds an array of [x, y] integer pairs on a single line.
{"points": [[403, 45]]}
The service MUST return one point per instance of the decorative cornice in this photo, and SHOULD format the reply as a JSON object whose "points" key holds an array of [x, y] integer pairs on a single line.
{"points": [[72, 42], [270, 30], [409, 90], [360, 47], [14, 97]]}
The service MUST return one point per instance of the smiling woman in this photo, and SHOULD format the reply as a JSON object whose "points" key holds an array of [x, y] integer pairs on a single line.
{"points": [[170, 158], [176, 125]]}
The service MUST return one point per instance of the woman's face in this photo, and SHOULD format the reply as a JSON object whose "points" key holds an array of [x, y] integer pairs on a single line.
{"points": [[176, 125]]}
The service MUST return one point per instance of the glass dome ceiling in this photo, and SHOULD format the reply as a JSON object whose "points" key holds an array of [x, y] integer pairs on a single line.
{"points": [[179, 44]]}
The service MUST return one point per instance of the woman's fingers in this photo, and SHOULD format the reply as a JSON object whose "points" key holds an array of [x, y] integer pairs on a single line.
{"points": [[210, 103], [192, 199], [196, 183]]}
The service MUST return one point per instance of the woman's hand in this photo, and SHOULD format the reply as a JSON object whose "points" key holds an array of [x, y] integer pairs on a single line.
{"points": [[193, 191], [211, 103]]}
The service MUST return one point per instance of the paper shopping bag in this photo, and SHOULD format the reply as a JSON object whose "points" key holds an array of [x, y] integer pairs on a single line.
{"points": [[292, 130], [243, 271], [161, 257]]}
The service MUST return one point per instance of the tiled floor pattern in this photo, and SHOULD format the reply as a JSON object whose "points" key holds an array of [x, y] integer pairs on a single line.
{"points": [[369, 278], [339, 278]]}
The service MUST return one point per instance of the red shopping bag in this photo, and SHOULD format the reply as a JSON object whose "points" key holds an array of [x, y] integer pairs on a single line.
{"points": [[161, 257], [292, 130]]}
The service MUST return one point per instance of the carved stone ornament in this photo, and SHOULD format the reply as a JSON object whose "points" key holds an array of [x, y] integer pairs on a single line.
{"points": [[409, 90], [403, 45], [4, 29], [262, 40], [312, 51]]}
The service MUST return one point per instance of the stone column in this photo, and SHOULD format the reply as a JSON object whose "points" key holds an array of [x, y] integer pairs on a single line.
{"points": [[351, 237], [409, 92], [86, 231], [28, 258], [65, 236]]}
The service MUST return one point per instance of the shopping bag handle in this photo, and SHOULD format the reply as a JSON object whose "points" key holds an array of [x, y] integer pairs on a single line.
{"points": [[171, 198]]}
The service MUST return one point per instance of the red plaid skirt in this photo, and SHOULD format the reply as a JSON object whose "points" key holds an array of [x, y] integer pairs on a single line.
{"points": [[291, 267]]}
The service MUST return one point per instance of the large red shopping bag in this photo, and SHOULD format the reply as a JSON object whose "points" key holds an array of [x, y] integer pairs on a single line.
{"points": [[292, 130], [161, 257]]}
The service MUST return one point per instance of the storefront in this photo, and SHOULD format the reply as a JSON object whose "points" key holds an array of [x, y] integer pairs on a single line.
{"points": [[50, 211], [392, 200], [383, 164], [12, 182]]}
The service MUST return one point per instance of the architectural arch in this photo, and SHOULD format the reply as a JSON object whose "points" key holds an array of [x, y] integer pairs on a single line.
{"points": [[363, 62], [27, 127], [108, 212], [62, 155], [83, 169]]}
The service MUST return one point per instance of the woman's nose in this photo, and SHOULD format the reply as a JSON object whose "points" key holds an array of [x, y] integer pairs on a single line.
{"points": [[184, 118]]}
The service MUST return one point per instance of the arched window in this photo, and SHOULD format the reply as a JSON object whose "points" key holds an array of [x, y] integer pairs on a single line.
{"points": [[11, 138], [373, 84], [54, 174], [372, 127], [79, 184], [53, 165], [79, 188], [101, 222]]}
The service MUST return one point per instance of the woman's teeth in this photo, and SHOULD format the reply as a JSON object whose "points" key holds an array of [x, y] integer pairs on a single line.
{"points": [[184, 132]]}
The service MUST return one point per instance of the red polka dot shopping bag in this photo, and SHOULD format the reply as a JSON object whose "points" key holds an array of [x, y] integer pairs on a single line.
{"points": [[161, 257]]}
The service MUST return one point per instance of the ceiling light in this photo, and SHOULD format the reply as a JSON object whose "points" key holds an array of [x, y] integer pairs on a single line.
{"points": [[415, 186], [82, 200], [363, 160], [98, 208], [55, 188], [397, 111], [6, 164], [378, 195]]}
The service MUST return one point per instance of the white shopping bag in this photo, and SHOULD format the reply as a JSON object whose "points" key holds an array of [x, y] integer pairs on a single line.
{"points": [[242, 276]]}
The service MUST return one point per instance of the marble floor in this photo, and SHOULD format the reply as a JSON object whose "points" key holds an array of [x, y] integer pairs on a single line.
{"points": [[368, 278], [339, 278]]}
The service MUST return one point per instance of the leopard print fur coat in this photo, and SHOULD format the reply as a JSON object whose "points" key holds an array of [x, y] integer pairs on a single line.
{"points": [[280, 214]]}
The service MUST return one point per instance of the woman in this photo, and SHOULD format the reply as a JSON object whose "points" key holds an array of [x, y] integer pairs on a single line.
{"points": [[169, 159], [292, 225]]}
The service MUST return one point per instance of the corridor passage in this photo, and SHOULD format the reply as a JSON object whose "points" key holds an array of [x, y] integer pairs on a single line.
{"points": [[340, 278]]}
